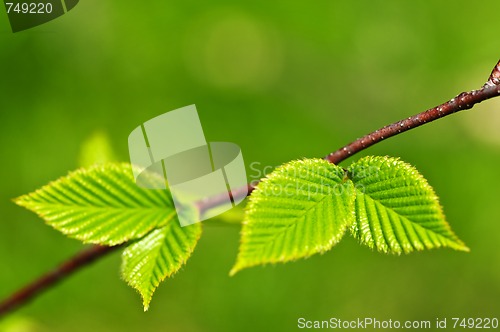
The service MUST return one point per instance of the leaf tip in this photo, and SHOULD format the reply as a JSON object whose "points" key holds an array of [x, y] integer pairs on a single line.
{"points": [[458, 245], [146, 305], [146, 296], [235, 270], [20, 201], [463, 247]]}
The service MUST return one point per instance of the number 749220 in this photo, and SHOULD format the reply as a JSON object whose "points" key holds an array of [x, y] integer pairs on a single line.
{"points": [[475, 323], [29, 7]]}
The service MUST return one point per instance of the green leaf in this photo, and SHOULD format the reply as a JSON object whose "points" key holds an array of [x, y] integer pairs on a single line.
{"points": [[396, 209], [302, 208], [147, 262], [101, 205]]}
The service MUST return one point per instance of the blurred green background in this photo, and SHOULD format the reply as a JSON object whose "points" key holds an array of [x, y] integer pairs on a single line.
{"points": [[284, 80]]}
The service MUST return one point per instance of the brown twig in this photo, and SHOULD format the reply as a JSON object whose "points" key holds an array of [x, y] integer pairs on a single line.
{"points": [[214, 201], [463, 101], [48, 280]]}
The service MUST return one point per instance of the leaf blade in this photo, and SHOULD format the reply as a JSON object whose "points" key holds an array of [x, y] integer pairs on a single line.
{"points": [[310, 219], [397, 211], [100, 205], [160, 254]]}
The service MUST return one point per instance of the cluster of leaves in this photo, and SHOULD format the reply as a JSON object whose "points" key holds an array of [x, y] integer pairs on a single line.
{"points": [[302, 208], [103, 205], [306, 206]]}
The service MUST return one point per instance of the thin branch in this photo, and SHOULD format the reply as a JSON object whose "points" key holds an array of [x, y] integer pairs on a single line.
{"points": [[24, 295], [463, 101], [217, 200]]}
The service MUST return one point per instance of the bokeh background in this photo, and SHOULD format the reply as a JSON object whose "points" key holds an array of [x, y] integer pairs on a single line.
{"points": [[284, 80]]}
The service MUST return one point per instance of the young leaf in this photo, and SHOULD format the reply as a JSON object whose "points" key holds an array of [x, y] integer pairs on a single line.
{"points": [[396, 209], [101, 205], [147, 262], [302, 208]]}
